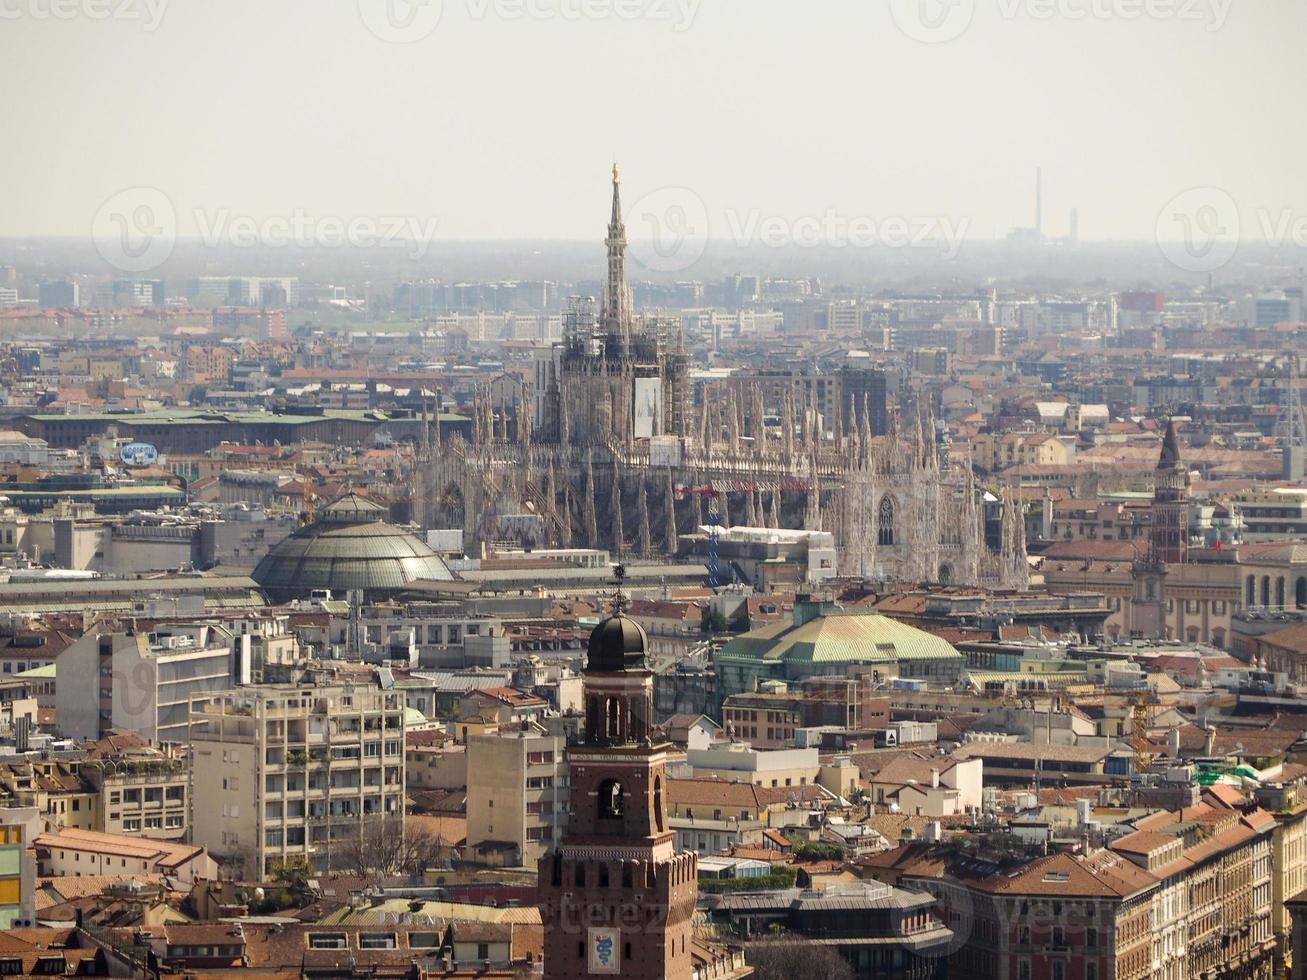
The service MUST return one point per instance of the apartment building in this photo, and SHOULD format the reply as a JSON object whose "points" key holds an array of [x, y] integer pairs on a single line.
{"points": [[144, 682], [517, 793], [1287, 801], [53, 788], [19, 826], [146, 794], [770, 717], [142, 790], [291, 773], [425, 634]]}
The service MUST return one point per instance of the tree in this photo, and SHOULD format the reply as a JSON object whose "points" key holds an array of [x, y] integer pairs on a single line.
{"points": [[388, 847], [784, 956], [816, 851], [712, 621]]}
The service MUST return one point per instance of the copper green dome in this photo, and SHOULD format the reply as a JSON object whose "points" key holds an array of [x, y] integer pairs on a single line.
{"points": [[348, 546]]}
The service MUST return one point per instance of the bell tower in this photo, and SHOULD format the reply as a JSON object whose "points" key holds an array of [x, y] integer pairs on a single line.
{"points": [[1170, 532], [616, 898]]}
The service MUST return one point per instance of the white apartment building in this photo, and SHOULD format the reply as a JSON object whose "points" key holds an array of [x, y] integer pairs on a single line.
{"points": [[145, 682], [284, 774], [426, 634]]}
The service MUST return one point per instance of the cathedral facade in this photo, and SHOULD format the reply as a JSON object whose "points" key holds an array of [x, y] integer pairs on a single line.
{"points": [[610, 452]]}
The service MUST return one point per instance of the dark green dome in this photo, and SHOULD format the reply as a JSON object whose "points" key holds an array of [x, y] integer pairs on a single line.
{"points": [[349, 546], [617, 644]]}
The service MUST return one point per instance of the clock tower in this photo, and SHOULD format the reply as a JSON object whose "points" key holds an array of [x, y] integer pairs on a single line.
{"points": [[615, 897]]}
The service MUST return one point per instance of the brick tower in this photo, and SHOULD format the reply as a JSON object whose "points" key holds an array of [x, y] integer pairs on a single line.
{"points": [[1170, 533], [615, 897]]}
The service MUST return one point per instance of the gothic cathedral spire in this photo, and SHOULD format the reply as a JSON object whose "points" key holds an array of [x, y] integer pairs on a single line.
{"points": [[617, 307]]}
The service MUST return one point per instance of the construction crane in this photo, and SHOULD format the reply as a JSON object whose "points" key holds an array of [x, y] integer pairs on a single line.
{"points": [[1140, 716]]}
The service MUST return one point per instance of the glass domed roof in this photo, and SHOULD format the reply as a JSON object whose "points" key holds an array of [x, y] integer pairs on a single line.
{"points": [[349, 546]]}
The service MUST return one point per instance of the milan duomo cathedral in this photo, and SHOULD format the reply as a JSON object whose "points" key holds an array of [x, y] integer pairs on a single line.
{"points": [[610, 451]]}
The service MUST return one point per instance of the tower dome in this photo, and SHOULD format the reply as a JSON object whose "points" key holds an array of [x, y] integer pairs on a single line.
{"points": [[617, 643]]}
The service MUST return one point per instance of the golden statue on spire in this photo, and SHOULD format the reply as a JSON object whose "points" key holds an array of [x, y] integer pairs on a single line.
{"points": [[617, 177]]}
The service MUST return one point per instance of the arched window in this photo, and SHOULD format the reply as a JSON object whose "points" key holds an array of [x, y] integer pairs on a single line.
{"points": [[1279, 591], [885, 535], [1252, 591], [612, 800], [1266, 590], [658, 803], [1218, 638], [579, 878], [592, 726], [1300, 592]]}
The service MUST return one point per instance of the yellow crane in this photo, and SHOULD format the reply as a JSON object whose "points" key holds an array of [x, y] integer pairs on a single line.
{"points": [[1140, 716]]}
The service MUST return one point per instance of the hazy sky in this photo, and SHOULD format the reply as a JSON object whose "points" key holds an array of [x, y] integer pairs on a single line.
{"points": [[502, 122]]}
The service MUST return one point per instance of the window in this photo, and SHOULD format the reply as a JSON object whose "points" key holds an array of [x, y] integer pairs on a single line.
{"points": [[483, 951], [377, 940], [885, 533], [328, 940], [612, 800]]}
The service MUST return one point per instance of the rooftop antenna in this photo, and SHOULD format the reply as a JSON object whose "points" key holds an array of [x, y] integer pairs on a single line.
{"points": [[619, 598]]}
